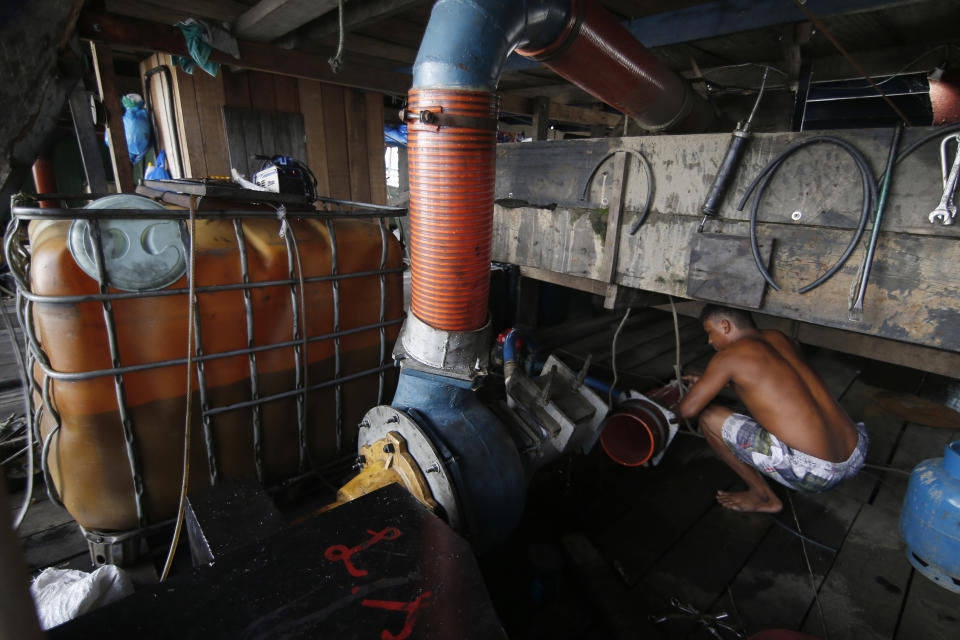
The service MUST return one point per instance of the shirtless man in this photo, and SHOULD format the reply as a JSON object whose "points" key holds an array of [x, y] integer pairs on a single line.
{"points": [[807, 442]]}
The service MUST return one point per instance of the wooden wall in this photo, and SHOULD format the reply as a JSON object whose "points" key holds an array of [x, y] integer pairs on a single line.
{"points": [[344, 127], [550, 219]]}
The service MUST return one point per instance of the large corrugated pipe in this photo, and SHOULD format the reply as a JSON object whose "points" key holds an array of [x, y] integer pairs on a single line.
{"points": [[452, 114], [596, 53]]}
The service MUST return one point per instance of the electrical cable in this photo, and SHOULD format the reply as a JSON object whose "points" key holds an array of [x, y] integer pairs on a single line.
{"points": [[852, 60], [762, 180], [191, 294], [943, 47], [790, 529], [813, 582], [613, 356]]}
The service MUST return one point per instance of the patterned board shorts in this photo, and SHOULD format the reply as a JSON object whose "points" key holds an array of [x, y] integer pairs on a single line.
{"points": [[763, 451]]}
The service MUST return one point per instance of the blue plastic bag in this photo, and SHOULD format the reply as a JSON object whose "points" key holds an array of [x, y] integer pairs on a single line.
{"points": [[159, 170], [136, 128]]}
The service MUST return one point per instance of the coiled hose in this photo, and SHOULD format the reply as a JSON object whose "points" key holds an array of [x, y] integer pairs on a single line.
{"points": [[760, 183]]}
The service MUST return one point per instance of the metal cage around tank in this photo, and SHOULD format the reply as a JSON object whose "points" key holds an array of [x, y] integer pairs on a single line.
{"points": [[25, 209]]}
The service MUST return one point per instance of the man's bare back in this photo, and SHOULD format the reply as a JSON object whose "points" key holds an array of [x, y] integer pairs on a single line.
{"points": [[781, 392]]}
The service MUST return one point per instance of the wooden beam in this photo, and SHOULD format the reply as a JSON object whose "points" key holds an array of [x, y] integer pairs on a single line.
{"points": [[110, 96], [269, 19], [541, 118], [916, 356], [148, 36], [355, 15], [520, 105], [172, 11], [225, 10], [87, 140], [724, 17], [376, 48]]}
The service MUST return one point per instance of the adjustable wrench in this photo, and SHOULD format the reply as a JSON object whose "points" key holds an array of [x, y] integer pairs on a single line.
{"points": [[946, 211]]}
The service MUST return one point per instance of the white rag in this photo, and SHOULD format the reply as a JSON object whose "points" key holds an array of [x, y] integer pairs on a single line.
{"points": [[63, 594]]}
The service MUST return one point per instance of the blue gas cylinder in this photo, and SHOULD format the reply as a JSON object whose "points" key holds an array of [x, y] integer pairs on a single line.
{"points": [[930, 518]]}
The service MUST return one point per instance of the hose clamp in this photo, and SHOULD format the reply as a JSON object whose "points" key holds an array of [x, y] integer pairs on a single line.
{"points": [[434, 116]]}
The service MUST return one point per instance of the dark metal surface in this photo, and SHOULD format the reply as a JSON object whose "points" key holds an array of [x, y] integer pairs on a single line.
{"points": [[722, 270], [227, 516], [381, 566]]}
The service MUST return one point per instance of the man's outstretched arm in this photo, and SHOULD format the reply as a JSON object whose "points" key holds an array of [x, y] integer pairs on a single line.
{"points": [[715, 378]]}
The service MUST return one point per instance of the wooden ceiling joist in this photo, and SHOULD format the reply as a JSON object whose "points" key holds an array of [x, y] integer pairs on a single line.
{"points": [[154, 37], [269, 19], [355, 15]]}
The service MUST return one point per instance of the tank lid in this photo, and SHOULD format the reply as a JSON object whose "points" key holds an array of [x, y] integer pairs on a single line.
{"points": [[139, 254]]}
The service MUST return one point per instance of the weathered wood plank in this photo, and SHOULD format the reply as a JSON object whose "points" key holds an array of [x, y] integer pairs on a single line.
{"points": [[819, 181], [931, 612], [911, 296], [862, 594], [269, 19], [53, 545], [774, 589], [188, 124], [674, 496], [236, 89], [110, 96], [376, 147], [262, 94], [210, 99], [606, 591], [720, 269], [236, 141], [287, 94], [695, 570], [334, 127], [355, 112], [311, 106]]}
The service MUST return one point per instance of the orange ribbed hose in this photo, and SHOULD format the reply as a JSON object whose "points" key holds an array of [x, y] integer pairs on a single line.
{"points": [[452, 172]]}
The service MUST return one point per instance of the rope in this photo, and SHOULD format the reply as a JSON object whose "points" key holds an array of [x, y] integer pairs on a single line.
{"points": [[336, 62], [178, 527], [613, 357]]}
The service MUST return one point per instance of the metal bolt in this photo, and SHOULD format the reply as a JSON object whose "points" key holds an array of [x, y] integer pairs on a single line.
{"points": [[364, 425], [796, 215], [428, 117], [393, 419], [434, 468]]}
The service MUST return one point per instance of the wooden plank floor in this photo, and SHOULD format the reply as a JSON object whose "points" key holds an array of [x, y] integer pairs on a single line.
{"points": [[602, 547], [662, 532]]}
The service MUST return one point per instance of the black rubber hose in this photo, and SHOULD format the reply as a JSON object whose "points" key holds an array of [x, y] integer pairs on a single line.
{"points": [[763, 179], [938, 133], [645, 164]]}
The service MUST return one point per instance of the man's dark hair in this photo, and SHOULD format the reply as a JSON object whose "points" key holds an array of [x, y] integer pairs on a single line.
{"points": [[737, 317]]}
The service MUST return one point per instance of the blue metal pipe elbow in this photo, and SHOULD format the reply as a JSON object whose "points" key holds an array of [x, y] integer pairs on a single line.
{"points": [[477, 450], [467, 41]]}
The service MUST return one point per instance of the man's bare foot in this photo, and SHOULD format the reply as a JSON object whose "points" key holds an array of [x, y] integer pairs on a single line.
{"points": [[752, 501]]}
